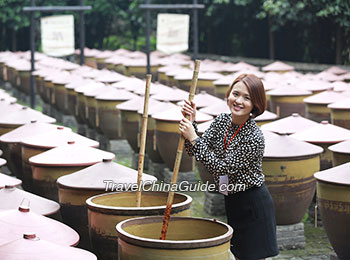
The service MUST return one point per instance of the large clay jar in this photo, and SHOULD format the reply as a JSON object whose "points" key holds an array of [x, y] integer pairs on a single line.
{"points": [[36, 144], [11, 143], [20, 117], [32, 247], [333, 198], [316, 105], [151, 145], [288, 166], [82, 112], [324, 135], [205, 81], [91, 105], [109, 120], [168, 134], [14, 222], [48, 166], [340, 113], [265, 118], [341, 152], [105, 211], [222, 84], [74, 189], [187, 238], [289, 125], [287, 100]]}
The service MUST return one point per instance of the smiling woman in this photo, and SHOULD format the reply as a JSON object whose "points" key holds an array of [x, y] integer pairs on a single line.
{"points": [[232, 149]]}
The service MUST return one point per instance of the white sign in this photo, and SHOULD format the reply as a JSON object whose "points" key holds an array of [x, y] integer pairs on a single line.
{"points": [[57, 35], [172, 32]]}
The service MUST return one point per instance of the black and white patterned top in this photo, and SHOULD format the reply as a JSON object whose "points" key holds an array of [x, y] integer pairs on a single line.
{"points": [[241, 161]]}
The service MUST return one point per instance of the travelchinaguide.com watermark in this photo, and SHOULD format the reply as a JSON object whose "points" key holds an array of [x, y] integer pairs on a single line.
{"points": [[183, 186]]}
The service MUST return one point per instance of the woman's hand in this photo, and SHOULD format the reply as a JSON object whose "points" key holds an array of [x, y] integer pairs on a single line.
{"points": [[187, 130], [189, 108]]}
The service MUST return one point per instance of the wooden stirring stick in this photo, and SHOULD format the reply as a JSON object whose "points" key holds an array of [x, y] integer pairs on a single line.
{"points": [[177, 163], [143, 140]]}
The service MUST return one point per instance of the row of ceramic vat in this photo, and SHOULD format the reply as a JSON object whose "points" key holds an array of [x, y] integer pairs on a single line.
{"points": [[90, 168], [174, 123], [105, 211], [302, 184]]}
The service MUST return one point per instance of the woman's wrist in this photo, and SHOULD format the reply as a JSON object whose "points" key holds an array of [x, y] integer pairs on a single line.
{"points": [[195, 140]]}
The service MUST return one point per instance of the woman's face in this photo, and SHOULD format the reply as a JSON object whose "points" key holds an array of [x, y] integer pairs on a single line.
{"points": [[239, 101]]}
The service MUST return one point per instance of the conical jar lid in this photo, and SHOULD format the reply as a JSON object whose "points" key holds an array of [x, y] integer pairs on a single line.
{"points": [[288, 91], [88, 87], [57, 137], [96, 91], [24, 116], [154, 89], [340, 86], [336, 70], [203, 99], [114, 94], [173, 95], [157, 106], [289, 125], [71, 154], [175, 72], [103, 175], [129, 84], [10, 197], [225, 80], [168, 67], [283, 146], [31, 246], [323, 132], [240, 66], [14, 222], [325, 97], [175, 114], [216, 109], [133, 104], [313, 85], [110, 77], [32, 128], [8, 180], [326, 76], [342, 147], [337, 175], [267, 115], [277, 66], [7, 98], [341, 105]]}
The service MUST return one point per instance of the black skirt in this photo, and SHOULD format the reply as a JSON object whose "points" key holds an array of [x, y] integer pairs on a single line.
{"points": [[251, 214]]}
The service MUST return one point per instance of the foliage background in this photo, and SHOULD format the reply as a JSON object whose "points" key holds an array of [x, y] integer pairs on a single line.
{"points": [[293, 30]]}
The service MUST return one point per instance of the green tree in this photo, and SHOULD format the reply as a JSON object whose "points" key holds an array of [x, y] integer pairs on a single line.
{"points": [[336, 12], [279, 13]]}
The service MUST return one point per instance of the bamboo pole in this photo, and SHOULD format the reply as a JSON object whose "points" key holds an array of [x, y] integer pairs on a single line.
{"points": [[143, 139], [178, 158]]}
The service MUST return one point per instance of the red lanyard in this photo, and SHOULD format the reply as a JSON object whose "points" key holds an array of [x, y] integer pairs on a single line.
{"points": [[226, 145]]}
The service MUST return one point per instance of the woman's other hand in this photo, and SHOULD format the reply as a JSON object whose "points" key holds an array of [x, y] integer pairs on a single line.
{"points": [[187, 130], [189, 108]]}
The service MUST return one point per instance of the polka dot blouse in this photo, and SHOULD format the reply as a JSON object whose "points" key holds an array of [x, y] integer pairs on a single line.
{"points": [[241, 161]]}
